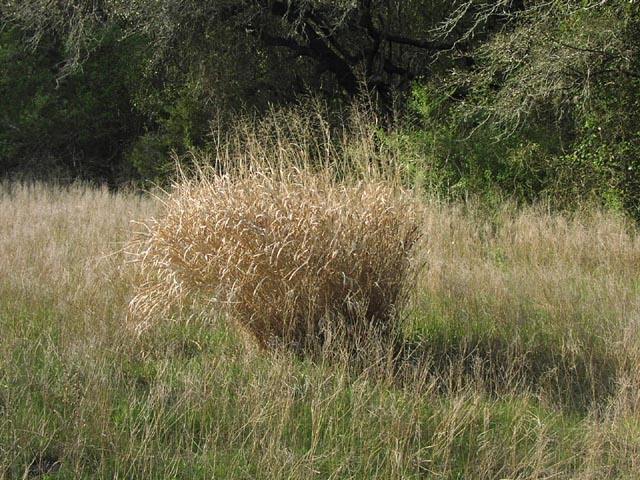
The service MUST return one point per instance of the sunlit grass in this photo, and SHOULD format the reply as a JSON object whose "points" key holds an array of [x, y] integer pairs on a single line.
{"points": [[518, 359], [293, 259]]}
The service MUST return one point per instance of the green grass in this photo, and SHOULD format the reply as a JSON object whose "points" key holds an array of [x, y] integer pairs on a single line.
{"points": [[518, 359]]}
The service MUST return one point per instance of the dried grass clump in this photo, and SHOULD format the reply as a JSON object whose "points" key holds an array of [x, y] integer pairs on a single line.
{"points": [[288, 256]]}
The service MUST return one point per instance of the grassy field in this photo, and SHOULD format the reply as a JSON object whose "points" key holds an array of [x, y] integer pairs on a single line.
{"points": [[518, 358]]}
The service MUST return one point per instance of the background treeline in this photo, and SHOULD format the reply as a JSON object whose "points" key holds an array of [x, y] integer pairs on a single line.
{"points": [[528, 99]]}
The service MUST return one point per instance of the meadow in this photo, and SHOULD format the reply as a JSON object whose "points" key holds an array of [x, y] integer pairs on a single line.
{"points": [[313, 313], [517, 357]]}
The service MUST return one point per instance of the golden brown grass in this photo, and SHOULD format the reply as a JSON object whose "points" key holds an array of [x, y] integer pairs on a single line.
{"points": [[54, 245], [188, 399], [298, 229], [289, 257], [533, 299], [518, 359]]}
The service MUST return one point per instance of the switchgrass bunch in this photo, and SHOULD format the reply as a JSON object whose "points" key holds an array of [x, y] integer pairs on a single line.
{"points": [[292, 257]]}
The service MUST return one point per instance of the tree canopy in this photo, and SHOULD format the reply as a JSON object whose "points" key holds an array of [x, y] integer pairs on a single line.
{"points": [[507, 94]]}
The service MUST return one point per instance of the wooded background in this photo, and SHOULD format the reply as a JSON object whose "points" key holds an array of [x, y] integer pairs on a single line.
{"points": [[525, 99]]}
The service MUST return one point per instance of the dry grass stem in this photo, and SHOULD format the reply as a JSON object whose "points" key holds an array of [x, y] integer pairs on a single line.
{"points": [[283, 255]]}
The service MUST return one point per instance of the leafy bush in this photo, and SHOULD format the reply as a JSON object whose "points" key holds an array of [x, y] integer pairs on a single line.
{"points": [[292, 257]]}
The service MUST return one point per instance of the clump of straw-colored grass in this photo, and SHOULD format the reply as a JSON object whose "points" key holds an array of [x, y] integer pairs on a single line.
{"points": [[286, 255]]}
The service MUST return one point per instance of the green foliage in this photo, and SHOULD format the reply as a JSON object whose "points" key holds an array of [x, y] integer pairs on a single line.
{"points": [[76, 125], [182, 125], [447, 155], [549, 110], [520, 99]]}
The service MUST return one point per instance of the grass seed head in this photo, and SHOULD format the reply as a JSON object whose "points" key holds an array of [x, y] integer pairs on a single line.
{"points": [[286, 255]]}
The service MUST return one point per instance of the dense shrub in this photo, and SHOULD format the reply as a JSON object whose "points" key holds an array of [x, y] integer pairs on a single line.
{"points": [[549, 110], [74, 126], [292, 257]]}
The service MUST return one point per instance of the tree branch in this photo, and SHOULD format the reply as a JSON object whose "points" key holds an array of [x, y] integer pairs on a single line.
{"points": [[424, 45], [291, 44]]}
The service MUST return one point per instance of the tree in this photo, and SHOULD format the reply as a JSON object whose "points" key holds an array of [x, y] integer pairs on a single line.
{"points": [[336, 46], [529, 96], [205, 59], [550, 103], [75, 126]]}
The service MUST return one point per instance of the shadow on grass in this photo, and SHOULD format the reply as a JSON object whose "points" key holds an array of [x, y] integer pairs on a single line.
{"points": [[578, 375], [577, 379]]}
